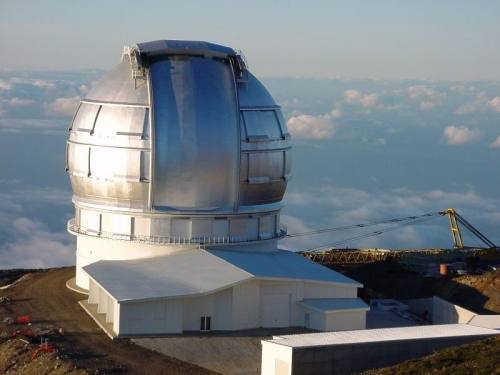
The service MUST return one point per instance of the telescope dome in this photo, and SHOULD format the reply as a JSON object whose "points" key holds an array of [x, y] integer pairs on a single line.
{"points": [[178, 131]]}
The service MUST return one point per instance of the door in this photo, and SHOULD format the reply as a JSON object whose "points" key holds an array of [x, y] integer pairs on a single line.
{"points": [[275, 310]]}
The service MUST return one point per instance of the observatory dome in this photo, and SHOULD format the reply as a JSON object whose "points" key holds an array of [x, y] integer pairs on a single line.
{"points": [[179, 142]]}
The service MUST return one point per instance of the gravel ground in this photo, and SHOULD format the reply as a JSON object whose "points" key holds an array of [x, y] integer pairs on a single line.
{"points": [[82, 346]]}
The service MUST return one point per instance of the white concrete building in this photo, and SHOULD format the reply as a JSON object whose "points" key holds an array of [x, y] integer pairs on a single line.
{"points": [[179, 159]]}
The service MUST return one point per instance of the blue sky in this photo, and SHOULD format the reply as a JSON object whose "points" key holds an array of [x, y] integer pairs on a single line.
{"points": [[420, 134], [451, 39]]}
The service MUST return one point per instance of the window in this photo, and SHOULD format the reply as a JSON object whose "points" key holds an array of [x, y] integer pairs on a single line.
{"points": [[261, 125], [205, 323]]}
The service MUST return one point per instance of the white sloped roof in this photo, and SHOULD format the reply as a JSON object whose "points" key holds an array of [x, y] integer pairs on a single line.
{"points": [[282, 264], [186, 273], [196, 272]]}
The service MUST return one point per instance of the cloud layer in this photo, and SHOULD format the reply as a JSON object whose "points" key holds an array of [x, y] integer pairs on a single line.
{"points": [[460, 135]]}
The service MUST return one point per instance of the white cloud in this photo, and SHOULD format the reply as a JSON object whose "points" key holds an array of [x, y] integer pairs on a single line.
{"points": [[19, 102], [419, 91], [460, 135], [311, 127], [32, 124], [4, 85], [494, 104], [357, 97], [333, 206], [25, 239], [428, 97], [36, 82], [495, 143], [481, 103], [336, 113], [64, 107], [427, 104], [35, 246]]}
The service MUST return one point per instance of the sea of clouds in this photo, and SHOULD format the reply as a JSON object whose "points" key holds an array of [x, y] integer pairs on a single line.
{"points": [[364, 150]]}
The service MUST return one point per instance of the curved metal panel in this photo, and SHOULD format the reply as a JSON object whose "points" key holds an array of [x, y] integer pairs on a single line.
{"points": [[196, 134], [118, 86], [114, 120], [85, 117], [262, 193], [253, 94]]}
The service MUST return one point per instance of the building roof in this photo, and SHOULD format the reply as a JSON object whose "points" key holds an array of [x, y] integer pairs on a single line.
{"points": [[189, 272], [282, 264], [335, 304], [382, 334], [485, 321], [197, 272]]}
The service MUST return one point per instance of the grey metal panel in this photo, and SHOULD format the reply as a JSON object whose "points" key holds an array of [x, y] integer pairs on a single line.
{"points": [[252, 194], [182, 47], [85, 117], [262, 125], [253, 94], [114, 120], [118, 86], [196, 136], [266, 164], [78, 159], [110, 192]]}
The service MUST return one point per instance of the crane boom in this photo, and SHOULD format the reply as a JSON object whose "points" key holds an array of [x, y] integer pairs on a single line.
{"points": [[456, 235]]}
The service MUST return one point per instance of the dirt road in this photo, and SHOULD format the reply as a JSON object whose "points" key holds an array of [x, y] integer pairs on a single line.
{"points": [[48, 302]]}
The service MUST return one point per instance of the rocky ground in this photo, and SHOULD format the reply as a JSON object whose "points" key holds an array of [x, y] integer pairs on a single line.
{"points": [[80, 347]]}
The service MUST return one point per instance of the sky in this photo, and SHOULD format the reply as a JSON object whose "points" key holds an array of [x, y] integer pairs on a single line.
{"points": [[438, 40], [394, 109]]}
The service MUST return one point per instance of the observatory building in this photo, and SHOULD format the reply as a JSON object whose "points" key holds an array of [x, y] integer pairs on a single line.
{"points": [[178, 160]]}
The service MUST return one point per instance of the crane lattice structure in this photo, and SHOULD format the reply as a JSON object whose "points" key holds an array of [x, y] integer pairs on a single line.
{"points": [[329, 254]]}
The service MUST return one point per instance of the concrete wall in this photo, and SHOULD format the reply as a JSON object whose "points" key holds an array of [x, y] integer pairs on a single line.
{"points": [[218, 306], [251, 304], [444, 312], [345, 320], [276, 359], [153, 317], [322, 290], [350, 358], [246, 307], [439, 311]]}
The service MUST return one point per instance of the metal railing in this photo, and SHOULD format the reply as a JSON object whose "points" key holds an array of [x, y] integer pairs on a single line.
{"points": [[170, 240]]}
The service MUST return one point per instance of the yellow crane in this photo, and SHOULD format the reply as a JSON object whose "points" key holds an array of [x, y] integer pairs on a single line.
{"points": [[456, 235]]}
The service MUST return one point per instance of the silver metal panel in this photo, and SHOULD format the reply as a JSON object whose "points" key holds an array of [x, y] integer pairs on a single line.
{"points": [[115, 163], [261, 125], [78, 159], [196, 136], [253, 194], [266, 164], [123, 194], [267, 226], [253, 94], [85, 117], [114, 120], [118, 86]]}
